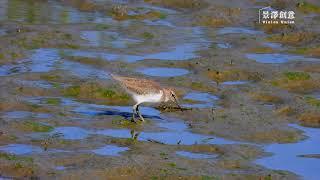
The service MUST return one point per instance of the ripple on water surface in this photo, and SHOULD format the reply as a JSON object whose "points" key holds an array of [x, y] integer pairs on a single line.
{"points": [[234, 82], [224, 45], [24, 115], [192, 155], [44, 12], [110, 150], [238, 30], [207, 99], [277, 58], [163, 72], [107, 39], [288, 156], [20, 149], [173, 133], [71, 133], [41, 60]]}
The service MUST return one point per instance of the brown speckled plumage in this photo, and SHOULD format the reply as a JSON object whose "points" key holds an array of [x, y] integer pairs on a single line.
{"points": [[138, 86]]}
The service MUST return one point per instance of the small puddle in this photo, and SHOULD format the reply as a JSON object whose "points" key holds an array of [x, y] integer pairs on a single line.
{"points": [[316, 95], [234, 83], [238, 30], [277, 58], [20, 149], [158, 23], [60, 168], [273, 45], [288, 156], [208, 100], [163, 72], [161, 9], [45, 60], [71, 133], [224, 45], [41, 60], [183, 51], [192, 155], [107, 39], [94, 109], [103, 55], [82, 71], [173, 133], [110, 150]]}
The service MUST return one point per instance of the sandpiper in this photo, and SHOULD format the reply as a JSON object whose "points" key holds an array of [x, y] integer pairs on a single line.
{"points": [[144, 90]]}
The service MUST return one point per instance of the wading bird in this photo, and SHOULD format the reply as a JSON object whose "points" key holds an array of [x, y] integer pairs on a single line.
{"points": [[144, 90]]}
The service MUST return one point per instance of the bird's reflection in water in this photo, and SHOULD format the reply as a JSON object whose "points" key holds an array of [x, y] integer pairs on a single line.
{"points": [[134, 134]]}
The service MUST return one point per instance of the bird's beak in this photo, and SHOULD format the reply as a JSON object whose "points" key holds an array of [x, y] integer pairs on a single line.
{"points": [[176, 101]]}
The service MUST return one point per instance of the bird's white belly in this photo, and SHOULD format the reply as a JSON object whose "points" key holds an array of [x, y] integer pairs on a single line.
{"points": [[152, 98]]}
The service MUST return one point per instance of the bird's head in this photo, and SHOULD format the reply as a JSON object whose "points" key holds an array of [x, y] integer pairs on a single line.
{"points": [[170, 95]]}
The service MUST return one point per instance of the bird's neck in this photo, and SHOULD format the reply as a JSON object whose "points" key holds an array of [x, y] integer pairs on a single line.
{"points": [[164, 97]]}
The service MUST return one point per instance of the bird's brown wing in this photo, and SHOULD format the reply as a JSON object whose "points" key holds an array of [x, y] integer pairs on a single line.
{"points": [[138, 86]]}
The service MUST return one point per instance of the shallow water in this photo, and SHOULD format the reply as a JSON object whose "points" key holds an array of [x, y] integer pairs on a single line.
{"points": [[192, 155], [41, 60], [110, 150], [42, 12], [158, 23], [24, 149], [180, 52], [173, 130], [206, 100], [224, 45], [83, 71], [287, 156], [20, 149], [107, 39], [71, 133], [24, 115], [273, 45], [167, 137], [238, 30], [163, 72], [45, 60], [234, 82], [316, 95], [277, 58], [193, 40], [38, 83]]}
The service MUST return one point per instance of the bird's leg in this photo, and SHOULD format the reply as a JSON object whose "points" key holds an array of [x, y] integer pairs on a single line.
{"points": [[134, 108], [138, 112]]}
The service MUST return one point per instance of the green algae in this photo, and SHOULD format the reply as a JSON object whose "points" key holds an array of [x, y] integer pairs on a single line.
{"points": [[37, 127], [293, 76]]}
